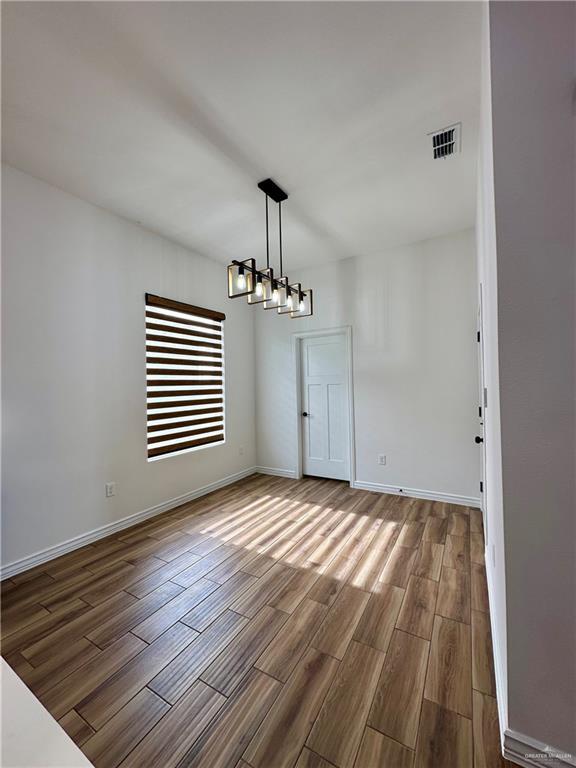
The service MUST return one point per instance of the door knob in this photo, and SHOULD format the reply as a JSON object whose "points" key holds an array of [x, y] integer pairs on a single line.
{"points": [[304, 413], [478, 439]]}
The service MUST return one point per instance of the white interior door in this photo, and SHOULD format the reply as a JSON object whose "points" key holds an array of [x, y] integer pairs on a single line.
{"points": [[324, 398]]}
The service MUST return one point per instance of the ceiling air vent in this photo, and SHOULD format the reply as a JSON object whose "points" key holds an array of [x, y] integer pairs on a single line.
{"points": [[447, 141]]}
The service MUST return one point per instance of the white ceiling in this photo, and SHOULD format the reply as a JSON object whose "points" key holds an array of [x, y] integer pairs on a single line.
{"points": [[169, 113]]}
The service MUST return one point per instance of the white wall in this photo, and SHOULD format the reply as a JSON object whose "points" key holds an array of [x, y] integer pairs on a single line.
{"points": [[413, 318], [26, 716], [74, 279], [532, 56], [487, 279]]}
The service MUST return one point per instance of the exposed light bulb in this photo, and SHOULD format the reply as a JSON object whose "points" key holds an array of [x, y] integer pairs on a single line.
{"points": [[290, 302], [241, 281], [275, 295], [302, 306], [259, 289]]}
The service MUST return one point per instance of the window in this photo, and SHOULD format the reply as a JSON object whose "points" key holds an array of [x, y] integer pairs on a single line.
{"points": [[184, 377]]}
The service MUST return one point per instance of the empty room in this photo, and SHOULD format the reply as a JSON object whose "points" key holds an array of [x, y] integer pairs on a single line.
{"points": [[288, 384]]}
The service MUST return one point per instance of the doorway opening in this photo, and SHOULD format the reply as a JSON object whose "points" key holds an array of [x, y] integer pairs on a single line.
{"points": [[324, 404]]}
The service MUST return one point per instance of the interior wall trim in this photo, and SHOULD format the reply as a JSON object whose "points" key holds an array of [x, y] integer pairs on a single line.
{"points": [[17, 566], [278, 472], [417, 493], [531, 753], [497, 654], [50, 553]]}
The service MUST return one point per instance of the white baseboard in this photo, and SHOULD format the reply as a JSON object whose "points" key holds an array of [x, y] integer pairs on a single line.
{"points": [[497, 656], [11, 569], [417, 493], [530, 753], [277, 472], [18, 566]]}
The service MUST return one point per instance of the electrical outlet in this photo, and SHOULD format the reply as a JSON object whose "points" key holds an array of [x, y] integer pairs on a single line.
{"points": [[382, 459], [110, 489]]}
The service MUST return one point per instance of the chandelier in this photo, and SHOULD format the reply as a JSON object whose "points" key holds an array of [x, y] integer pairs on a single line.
{"points": [[261, 286]]}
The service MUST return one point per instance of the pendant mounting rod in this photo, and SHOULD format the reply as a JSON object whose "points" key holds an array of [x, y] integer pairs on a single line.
{"points": [[267, 238], [280, 236]]}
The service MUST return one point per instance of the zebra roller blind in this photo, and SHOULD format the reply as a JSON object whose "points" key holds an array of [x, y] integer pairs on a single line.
{"points": [[184, 377]]}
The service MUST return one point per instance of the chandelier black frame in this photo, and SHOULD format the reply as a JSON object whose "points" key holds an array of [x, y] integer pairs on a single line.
{"points": [[260, 286]]}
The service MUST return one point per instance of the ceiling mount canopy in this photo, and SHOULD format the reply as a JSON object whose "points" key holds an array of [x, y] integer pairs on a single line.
{"points": [[260, 286], [271, 189]]}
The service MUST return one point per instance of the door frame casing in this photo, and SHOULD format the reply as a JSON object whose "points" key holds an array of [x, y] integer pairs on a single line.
{"points": [[297, 337], [483, 397]]}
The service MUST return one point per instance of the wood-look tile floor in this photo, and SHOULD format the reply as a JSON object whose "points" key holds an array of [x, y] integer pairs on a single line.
{"points": [[271, 624]]}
